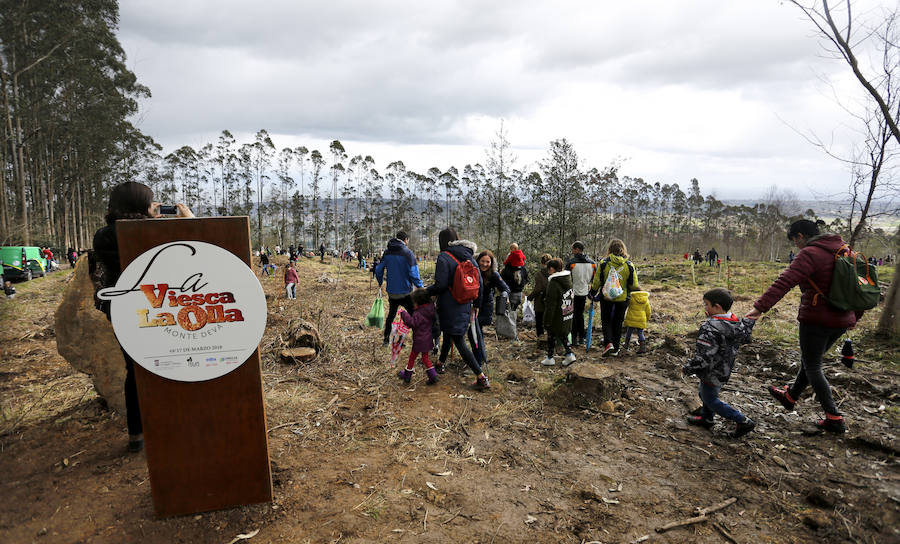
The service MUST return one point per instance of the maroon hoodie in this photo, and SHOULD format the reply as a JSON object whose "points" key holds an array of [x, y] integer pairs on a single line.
{"points": [[814, 262], [420, 322]]}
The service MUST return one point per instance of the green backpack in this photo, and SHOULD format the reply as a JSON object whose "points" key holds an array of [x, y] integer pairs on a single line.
{"points": [[854, 282]]}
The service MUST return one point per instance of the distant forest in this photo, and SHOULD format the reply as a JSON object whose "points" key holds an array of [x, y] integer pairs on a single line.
{"points": [[67, 104]]}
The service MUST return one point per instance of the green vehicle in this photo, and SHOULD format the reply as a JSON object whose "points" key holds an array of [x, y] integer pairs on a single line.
{"points": [[22, 262]]}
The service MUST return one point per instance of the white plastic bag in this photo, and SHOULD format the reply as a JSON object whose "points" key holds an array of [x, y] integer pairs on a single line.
{"points": [[528, 317], [612, 287]]}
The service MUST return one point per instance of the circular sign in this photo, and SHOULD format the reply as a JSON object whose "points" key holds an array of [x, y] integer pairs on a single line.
{"points": [[187, 311]]}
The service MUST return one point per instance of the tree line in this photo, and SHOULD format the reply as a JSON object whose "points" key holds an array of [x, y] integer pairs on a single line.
{"points": [[67, 98]]}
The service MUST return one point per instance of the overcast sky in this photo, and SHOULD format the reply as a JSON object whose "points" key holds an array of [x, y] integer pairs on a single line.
{"points": [[675, 90]]}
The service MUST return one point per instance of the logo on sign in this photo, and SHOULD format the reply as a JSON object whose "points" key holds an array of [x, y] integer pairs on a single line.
{"points": [[189, 299]]}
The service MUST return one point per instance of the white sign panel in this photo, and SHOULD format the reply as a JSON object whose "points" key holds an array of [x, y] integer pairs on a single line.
{"points": [[188, 311]]}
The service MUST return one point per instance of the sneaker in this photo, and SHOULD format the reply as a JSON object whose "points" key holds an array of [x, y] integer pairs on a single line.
{"points": [[440, 368], [611, 353], [743, 428], [570, 358], [606, 350], [832, 424], [482, 383], [781, 395], [548, 361], [405, 375], [700, 421]]}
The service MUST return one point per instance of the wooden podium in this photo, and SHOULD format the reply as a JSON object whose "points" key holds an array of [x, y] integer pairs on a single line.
{"points": [[206, 441]]}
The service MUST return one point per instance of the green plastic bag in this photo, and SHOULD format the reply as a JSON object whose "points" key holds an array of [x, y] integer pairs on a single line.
{"points": [[376, 314]]}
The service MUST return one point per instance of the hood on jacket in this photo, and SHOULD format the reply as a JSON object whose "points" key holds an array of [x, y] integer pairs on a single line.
{"points": [[828, 241], [640, 297], [579, 258], [396, 247], [562, 274], [617, 260], [463, 243], [727, 325]]}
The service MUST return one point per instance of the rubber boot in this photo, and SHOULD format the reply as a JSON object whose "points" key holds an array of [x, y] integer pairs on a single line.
{"points": [[432, 376], [405, 375]]}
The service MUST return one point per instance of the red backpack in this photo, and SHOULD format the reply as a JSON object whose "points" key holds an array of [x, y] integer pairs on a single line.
{"points": [[466, 281]]}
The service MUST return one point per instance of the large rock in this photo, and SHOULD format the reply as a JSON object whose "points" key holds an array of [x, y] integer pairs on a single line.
{"points": [[85, 338]]}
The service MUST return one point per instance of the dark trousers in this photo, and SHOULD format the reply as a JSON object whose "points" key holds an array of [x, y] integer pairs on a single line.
{"points": [[459, 341], [539, 323], [132, 408], [393, 304], [612, 315], [551, 343], [578, 319], [815, 340]]}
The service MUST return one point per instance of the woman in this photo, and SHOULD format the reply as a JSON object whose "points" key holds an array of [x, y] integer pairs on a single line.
{"points": [[490, 281], [129, 200], [453, 316], [612, 311], [820, 325], [536, 296]]}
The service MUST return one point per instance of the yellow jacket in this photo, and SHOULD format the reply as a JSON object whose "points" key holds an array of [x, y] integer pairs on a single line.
{"points": [[638, 310]]}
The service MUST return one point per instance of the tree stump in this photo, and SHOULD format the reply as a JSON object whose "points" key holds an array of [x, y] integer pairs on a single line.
{"points": [[303, 334], [594, 382], [292, 355], [85, 338]]}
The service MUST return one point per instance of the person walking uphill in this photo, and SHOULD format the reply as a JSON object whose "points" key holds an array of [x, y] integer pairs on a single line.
{"points": [[820, 325], [536, 296], [402, 275], [515, 275], [612, 308], [454, 315], [582, 270], [558, 312]]}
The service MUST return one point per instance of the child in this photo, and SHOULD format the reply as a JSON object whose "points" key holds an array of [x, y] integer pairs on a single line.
{"points": [[264, 261], [420, 322], [291, 279], [636, 318], [515, 257], [718, 341], [9, 289], [559, 310]]}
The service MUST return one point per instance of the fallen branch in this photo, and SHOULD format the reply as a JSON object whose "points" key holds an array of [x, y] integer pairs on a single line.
{"points": [[724, 532], [714, 508], [682, 523]]}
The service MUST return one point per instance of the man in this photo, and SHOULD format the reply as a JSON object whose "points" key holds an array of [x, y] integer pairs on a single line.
{"points": [[322, 252], [712, 256], [402, 276], [582, 269]]}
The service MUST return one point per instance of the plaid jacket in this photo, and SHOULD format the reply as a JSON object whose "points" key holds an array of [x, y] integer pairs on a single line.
{"points": [[717, 346]]}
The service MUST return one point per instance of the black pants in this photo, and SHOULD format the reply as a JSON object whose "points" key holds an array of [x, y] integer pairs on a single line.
{"points": [[815, 340], [458, 340], [612, 315], [132, 408], [393, 304], [539, 323], [578, 319], [563, 341]]}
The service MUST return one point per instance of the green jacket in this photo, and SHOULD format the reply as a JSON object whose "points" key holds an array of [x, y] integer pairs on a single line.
{"points": [[559, 306], [626, 270]]}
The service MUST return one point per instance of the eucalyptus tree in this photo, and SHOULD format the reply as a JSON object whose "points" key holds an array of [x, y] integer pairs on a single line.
{"points": [[262, 150], [285, 160], [317, 163], [225, 158], [563, 190], [338, 155], [298, 212]]}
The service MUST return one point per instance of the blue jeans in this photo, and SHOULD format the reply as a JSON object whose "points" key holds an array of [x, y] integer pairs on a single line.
{"points": [[628, 333], [712, 404]]}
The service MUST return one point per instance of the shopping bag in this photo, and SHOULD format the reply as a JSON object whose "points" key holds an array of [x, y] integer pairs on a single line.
{"points": [[399, 333], [376, 314], [506, 325], [528, 316]]}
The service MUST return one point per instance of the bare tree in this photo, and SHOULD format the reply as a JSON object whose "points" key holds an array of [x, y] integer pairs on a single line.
{"points": [[881, 84]]}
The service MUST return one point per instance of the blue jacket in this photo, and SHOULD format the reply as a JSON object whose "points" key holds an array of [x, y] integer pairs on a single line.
{"points": [[453, 316], [490, 281], [402, 269]]}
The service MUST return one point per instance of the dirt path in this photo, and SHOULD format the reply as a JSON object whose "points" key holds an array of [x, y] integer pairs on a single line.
{"points": [[357, 457]]}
